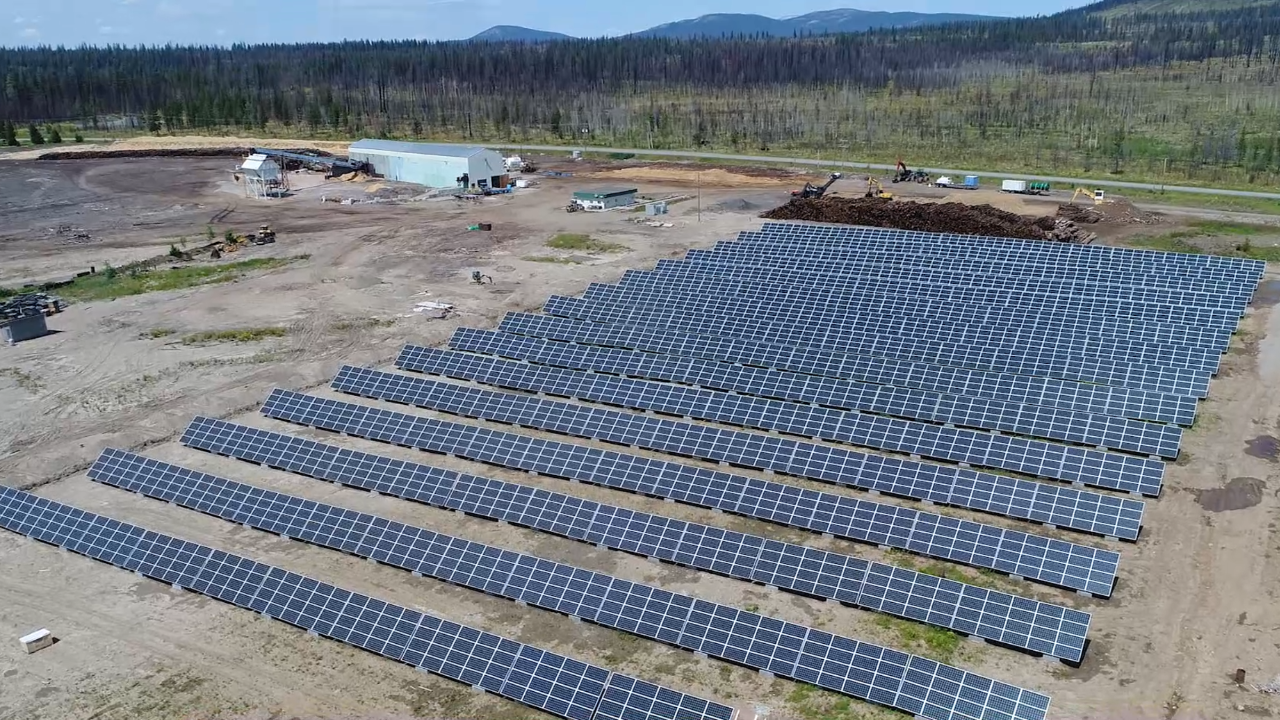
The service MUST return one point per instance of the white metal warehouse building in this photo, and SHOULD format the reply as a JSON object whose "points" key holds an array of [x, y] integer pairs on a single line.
{"points": [[437, 166]]}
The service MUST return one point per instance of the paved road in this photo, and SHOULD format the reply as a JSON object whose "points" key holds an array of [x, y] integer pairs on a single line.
{"points": [[873, 166]]}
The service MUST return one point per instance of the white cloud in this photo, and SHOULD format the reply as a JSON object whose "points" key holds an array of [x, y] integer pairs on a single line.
{"points": [[106, 29], [30, 32], [19, 20]]}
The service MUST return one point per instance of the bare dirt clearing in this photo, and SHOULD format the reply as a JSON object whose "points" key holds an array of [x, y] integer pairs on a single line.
{"points": [[1196, 597]]}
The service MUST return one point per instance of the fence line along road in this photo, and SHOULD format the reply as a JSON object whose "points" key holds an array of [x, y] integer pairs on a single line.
{"points": [[1158, 187]]}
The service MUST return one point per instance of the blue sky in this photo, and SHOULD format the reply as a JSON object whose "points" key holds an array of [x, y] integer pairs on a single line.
{"points": [[130, 22]]}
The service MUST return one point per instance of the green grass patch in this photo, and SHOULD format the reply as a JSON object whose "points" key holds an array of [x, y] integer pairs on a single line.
{"points": [[550, 259], [932, 642], [1238, 229], [112, 283], [812, 703], [1177, 241], [585, 243], [1227, 203], [157, 333], [364, 324], [238, 335], [1169, 242]]}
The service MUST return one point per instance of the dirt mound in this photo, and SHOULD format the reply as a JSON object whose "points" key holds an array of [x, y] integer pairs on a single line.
{"points": [[184, 152], [712, 177], [1079, 214], [1003, 201], [1112, 212], [163, 152], [925, 217], [734, 205]]}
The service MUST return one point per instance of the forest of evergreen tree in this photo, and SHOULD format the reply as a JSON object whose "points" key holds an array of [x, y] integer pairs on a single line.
{"points": [[1183, 90]]}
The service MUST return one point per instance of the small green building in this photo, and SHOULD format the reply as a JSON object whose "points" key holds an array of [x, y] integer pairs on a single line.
{"points": [[605, 199]]}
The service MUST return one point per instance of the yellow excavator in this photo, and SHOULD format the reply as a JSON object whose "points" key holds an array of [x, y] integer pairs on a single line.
{"points": [[1099, 196], [876, 190]]}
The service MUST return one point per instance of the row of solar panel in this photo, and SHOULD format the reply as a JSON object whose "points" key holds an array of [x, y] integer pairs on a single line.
{"points": [[974, 412], [963, 487], [853, 330], [1025, 263], [710, 318], [1034, 457], [610, 601], [762, 452], [1002, 319], [1036, 557], [986, 492], [1240, 269], [816, 362], [1094, 255], [960, 271], [885, 589], [553, 683], [920, 300], [889, 257], [1025, 338]]}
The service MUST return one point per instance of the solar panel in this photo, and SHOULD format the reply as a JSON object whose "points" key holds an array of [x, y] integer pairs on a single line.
{"points": [[626, 698], [979, 449], [839, 465], [754, 640], [1072, 259], [974, 412], [751, 352], [1100, 332], [717, 318], [1066, 564], [792, 259], [965, 262], [1009, 314], [540, 679], [961, 263], [1014, 621], [1237, 270]]}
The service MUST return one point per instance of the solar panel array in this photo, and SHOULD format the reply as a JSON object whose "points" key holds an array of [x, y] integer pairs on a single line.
{"points": [[764, 257], [1008, 619], [715, 316], [1117, 433], [1033, 457], [713, 629], [752, 352], [1052, 561], [1118, 338], [951, 317], [962, 263], [544, 680], [775, 453], [1227, 271], [940, 353]]}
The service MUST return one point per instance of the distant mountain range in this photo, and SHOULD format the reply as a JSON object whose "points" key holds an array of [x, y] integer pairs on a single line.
{"points": [[500, 33], [722, 24]]}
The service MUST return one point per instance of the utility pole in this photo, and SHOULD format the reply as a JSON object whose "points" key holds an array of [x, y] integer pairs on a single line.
{"points": [[699, 197]]}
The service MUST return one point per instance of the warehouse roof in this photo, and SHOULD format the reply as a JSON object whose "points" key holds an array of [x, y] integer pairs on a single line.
{"points": [[602, 193], [395, 146]]}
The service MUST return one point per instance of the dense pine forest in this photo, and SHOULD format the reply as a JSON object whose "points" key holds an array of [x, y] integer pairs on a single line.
{"points": [[1184, 95]]}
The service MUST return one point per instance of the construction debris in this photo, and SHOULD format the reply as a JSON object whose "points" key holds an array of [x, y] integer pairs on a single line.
{"points": [[955, 218], [31, 304], [1271, 687], [1114, 212]]}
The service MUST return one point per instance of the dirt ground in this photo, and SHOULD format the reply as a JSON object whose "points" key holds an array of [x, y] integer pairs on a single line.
{"points": [[1196, 598]]}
